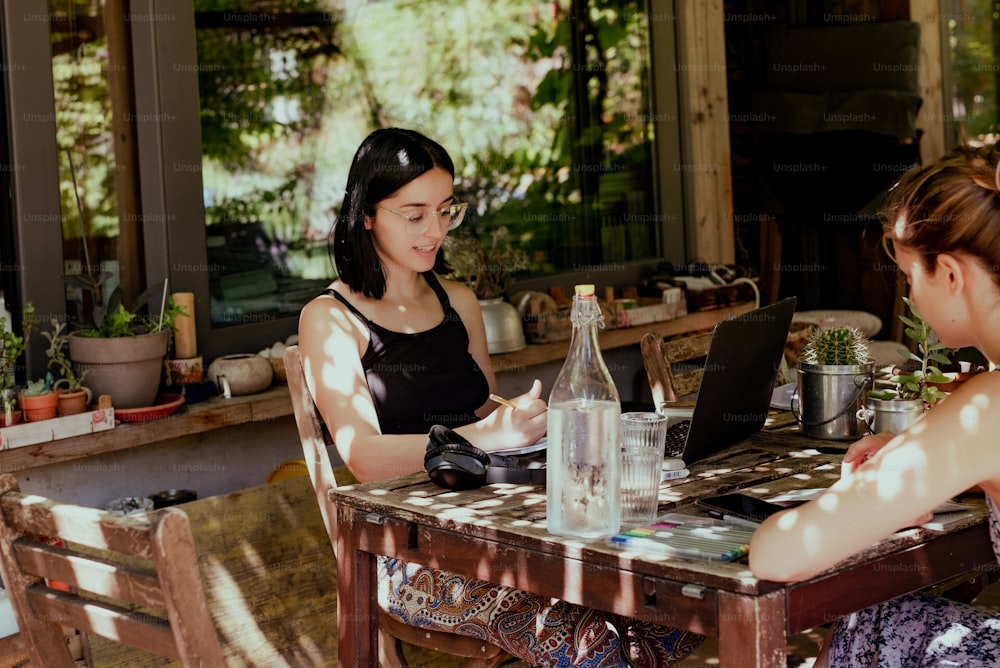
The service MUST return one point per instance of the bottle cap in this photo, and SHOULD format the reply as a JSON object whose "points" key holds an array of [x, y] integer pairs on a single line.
{"points": [[585, 290]]}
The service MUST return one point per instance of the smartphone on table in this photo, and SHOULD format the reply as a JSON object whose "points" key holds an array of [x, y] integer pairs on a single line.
{"points": [[741, 506]]}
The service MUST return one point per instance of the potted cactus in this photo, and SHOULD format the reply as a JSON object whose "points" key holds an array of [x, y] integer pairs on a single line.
{"points": [[834, 371]]}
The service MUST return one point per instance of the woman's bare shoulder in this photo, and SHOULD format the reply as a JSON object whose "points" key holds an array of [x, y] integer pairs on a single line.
{"points": [[459, 293], [325, 313]]}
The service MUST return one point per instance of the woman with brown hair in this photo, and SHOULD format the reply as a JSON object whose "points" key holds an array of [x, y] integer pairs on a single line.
{"points": [[942, 225]]}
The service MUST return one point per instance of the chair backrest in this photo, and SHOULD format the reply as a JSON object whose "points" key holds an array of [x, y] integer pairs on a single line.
{"points": [[314, 435], [315, 441], [667, 382], [131, 579]]}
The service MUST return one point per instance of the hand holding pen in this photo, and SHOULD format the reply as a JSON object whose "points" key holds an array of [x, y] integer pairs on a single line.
{"points": [[526, 421]]}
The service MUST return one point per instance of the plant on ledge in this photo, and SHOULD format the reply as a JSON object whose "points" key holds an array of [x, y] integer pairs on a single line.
{"points": [[487, 269], [114, 320], [56, 353], [921, 382], [11, 348]]}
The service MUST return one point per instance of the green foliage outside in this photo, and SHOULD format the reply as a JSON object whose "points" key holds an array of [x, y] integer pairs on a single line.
{"points": [[490, 79]]}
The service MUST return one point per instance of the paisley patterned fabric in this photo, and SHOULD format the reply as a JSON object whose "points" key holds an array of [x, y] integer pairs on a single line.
{"points": [[919, 630], [540, 631]]}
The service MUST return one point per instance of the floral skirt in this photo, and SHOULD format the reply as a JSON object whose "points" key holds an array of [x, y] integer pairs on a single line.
{"points": [[540, 631], [917, 630]]}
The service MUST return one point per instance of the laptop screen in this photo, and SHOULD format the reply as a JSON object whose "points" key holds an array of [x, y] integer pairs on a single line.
{"points": [[740, 373]]}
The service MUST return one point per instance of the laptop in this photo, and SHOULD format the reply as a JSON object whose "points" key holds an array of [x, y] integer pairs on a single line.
{"points": [[735, 392]]}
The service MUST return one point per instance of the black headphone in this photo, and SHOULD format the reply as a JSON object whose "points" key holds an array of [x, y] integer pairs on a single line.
{"points": [[452, 462]]}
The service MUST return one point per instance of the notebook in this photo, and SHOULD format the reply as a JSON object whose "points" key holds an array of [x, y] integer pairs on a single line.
{"points": [[735, 392]]}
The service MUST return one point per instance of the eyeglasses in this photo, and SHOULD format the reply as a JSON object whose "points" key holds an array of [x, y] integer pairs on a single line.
{"points": [[448, 217]]}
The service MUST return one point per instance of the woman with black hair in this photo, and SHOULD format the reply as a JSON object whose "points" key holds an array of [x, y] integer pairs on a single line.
{"points": [[389, 350]]}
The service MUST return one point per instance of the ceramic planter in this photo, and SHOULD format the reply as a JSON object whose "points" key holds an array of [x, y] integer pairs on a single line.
{"points": [[245, 373], [127, 368], [38, 408]]}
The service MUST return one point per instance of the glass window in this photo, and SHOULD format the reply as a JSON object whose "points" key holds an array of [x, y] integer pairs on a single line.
{"points": [[258, 105], [543, 105], [972, 71], [92, 106]]}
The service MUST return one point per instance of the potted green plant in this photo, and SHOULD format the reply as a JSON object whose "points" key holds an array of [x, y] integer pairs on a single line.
{"points": [[488, 269], [38, 400], [834, 371], [120, 351], [11, 349], [72, 394], [912, 391]]}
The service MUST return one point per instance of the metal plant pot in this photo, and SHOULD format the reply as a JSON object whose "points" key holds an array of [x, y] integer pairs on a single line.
{"points": [[893, 415], [504, 328], [829, 398]]}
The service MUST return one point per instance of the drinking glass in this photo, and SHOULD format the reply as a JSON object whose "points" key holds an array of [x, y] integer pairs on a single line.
{"points": [[642, 438]]}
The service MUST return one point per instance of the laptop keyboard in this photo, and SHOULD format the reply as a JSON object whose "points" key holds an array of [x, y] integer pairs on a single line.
{"points": [[676, 438]]}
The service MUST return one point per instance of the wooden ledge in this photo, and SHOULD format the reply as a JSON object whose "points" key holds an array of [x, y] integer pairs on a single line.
{"points": [[214, 413], [617, 338]]}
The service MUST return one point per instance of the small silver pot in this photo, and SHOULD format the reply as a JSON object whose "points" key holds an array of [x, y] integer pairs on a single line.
{"points": [[893, 415]]}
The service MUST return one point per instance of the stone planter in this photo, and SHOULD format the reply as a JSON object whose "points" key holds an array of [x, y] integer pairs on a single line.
{"points": [[243, 373], [127, 368]]}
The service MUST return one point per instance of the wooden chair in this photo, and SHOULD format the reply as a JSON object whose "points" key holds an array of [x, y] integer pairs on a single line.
{"points": [[247, 578], [659, 358], [392, 633], [130, 579]]}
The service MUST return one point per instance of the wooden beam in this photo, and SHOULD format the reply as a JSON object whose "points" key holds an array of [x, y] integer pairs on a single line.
{"points": [[708, 186], [931, 119], [128, 252]]}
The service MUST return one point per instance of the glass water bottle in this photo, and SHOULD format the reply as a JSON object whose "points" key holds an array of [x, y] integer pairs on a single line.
{"points": [[583, 460]]}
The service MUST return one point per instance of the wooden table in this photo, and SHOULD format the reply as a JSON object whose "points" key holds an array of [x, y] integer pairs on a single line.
{"points": [[498, 534]]}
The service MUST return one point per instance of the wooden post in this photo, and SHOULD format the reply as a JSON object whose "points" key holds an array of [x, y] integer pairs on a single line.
{"points": [[129, 247], [933, 111], [708, 183]]}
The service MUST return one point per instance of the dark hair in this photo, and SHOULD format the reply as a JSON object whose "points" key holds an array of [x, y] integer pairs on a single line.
{"points": [[948, 206], [387, 160]]}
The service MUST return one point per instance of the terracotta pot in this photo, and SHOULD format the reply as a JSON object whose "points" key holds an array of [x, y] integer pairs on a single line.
{"points": [[245, 373], [36, 409], [72, 403], [127, 368]]}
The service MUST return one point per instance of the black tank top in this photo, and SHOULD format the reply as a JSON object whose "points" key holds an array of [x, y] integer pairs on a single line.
{"points": [[425, 378]]}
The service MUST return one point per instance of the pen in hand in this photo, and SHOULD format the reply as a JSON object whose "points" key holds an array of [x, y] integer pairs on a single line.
{"points": [[500, 400]]}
